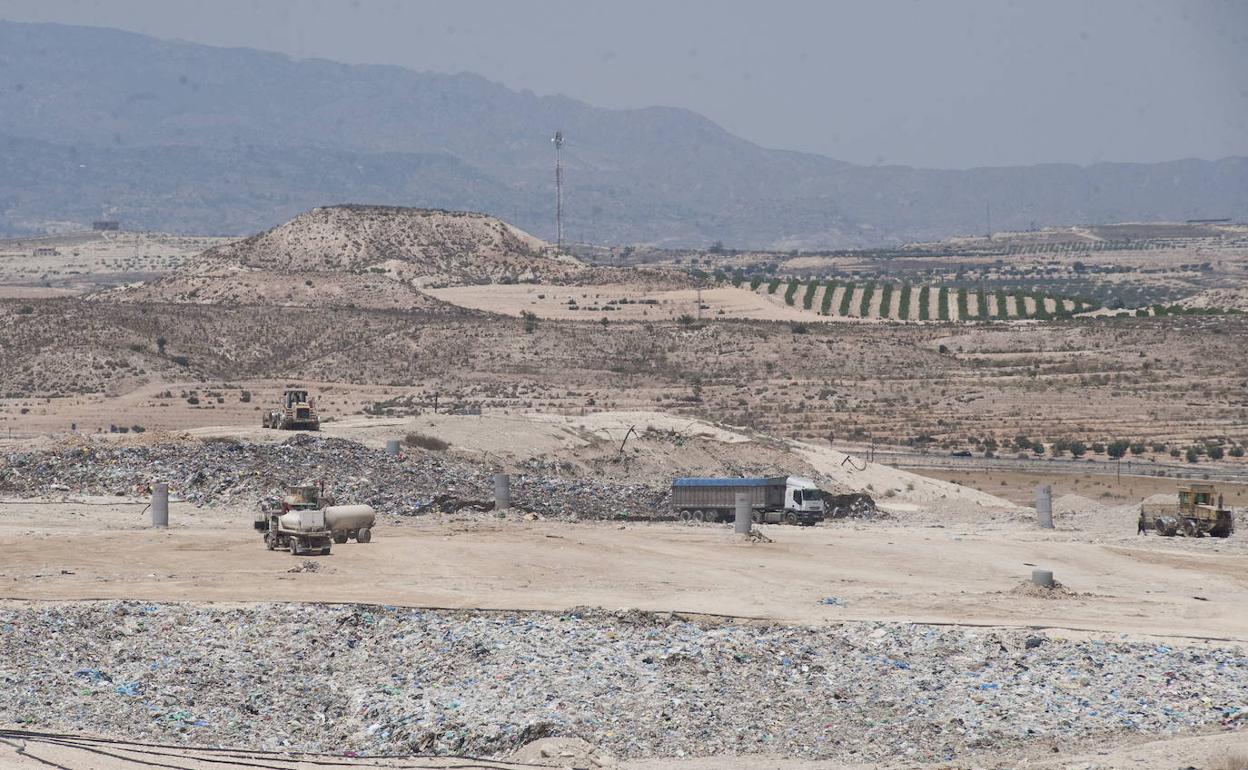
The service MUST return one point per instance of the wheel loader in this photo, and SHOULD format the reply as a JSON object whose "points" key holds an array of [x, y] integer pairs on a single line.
{"points": [[298, 412], [1195, 515]]}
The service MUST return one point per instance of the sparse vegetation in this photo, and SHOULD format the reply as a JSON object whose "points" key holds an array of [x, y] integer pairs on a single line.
{"points": [[422, 441]]}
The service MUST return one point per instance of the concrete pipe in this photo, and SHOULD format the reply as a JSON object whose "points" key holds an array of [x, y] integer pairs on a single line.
{"points": [[744, 518], [502, 491], [1044, 506], [160, 504]]}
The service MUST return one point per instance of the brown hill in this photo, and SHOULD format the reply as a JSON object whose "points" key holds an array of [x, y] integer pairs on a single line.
{"points": [[363, 256]]}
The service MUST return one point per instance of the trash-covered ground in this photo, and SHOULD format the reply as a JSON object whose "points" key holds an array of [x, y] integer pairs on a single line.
{"points": [[372, 680], [226, 472], [853, 505]]}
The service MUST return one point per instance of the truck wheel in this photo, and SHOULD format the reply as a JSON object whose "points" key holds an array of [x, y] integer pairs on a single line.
{"points": [[294, 547], [364, 535], [340, 537], [685, 515], [790, 518], [268, 541], [756, 517]]}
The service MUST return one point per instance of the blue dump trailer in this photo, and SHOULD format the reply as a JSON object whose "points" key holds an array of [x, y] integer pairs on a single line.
{"points": [[774, 500]]}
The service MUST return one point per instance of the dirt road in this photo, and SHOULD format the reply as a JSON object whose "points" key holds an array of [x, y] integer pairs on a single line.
{"points": [[877, 571]]}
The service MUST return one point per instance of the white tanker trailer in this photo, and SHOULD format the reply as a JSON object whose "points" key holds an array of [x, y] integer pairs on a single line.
{"points": [[350, 522]]}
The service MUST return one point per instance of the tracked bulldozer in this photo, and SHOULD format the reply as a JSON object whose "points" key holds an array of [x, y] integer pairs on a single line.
{"points": [[1196, 514], [298, 412]]}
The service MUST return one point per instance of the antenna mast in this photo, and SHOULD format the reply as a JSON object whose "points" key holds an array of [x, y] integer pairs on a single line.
{"points": [[558, 140]]}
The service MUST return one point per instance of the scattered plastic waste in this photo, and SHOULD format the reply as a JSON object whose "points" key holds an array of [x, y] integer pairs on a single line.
{"points": [[219, 473], [355, 680]]}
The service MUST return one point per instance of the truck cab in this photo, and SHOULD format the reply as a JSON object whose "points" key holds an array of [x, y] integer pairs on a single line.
{"points": [[804, 498]]}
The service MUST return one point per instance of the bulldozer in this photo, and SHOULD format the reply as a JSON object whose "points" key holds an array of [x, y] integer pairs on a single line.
{"points": [[298, 412], [1196, 514]]}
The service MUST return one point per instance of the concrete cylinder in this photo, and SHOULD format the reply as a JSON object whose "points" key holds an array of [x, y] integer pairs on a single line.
{"points": [[1042, 578], [502, 491], [160, 504], [392, 447], [743, 520], [1044, 506]]}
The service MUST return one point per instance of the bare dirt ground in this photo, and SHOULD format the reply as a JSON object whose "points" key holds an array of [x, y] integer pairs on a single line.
{"points": [[1019, 487], [619, 302], [880, 571], [1136, 379]]}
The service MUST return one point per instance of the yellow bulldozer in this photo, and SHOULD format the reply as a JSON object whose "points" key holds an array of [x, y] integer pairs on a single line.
{"points": [[297, 413], [1196, 514]]}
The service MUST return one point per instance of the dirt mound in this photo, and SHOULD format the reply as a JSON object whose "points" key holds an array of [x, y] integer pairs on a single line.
{"points": [[363, 256], [1076, 505], [1033, 591]]}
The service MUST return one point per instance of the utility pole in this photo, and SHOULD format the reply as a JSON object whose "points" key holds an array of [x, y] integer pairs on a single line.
{"points": [[988, 216], [558, 140]]}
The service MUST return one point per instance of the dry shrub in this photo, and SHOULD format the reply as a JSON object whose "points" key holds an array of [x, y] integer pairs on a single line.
{"points": [[432, 443]]}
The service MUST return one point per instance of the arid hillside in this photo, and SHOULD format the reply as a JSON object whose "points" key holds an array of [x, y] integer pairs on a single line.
{"points": [[1168, 379], [431, 244], [361, 256]]}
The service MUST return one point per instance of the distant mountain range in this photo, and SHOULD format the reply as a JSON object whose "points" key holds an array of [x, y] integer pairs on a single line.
{"points": [[99, 123]]}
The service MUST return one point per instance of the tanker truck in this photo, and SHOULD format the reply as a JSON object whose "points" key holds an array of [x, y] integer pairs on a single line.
{"points": [[306, 521], [787, 499]]}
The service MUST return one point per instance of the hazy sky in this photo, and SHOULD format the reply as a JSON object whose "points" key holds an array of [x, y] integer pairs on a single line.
{"points": [[955, 83]]}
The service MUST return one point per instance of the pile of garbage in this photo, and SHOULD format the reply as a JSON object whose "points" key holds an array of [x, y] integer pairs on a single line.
{"points": [[852, 505], [370, 680], [230, 472]]}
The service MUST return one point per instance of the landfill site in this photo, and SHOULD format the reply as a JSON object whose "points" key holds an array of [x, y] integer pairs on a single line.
{"points": [[587, 623], [308, 512]]}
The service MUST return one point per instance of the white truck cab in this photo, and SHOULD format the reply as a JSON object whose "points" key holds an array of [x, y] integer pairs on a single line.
{"points": [[802, 495]]}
